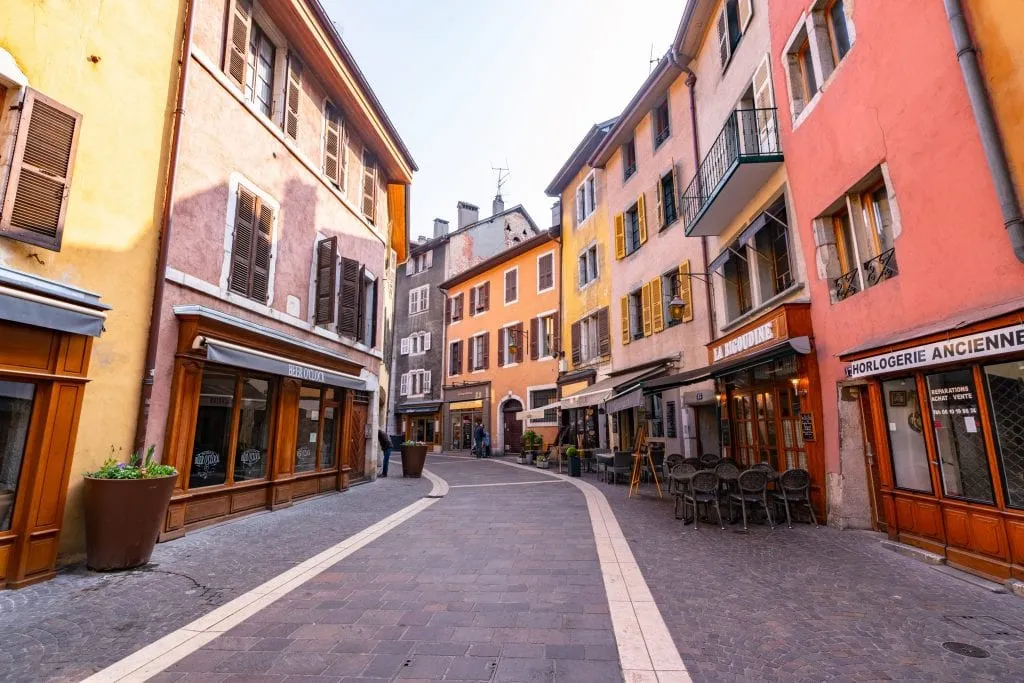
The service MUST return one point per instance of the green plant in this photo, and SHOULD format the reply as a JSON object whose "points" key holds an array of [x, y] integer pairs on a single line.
{"points": [[137, 467], [531, 440], [572, 452]]}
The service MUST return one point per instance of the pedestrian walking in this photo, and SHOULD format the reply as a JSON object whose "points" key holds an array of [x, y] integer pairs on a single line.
{"points": [[478, 439], [486, 444], [385, 447]]}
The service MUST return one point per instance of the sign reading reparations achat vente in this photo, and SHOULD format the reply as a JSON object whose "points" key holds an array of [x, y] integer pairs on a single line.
{"points": [[959, 349]]}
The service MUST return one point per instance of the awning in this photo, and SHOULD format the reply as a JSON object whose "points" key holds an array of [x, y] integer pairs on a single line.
{"points": [[417, 408], [631, 398], [218, 351], [534, 413], [601, 391], [32, 300], [786, 347]]}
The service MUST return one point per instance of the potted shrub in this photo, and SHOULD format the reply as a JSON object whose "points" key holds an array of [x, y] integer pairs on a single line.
{"points": [[125, 505], [573, 454], [414, 455], [541, 461], [530, 442]]}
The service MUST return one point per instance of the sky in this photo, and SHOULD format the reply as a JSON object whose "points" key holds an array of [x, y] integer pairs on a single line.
{"points": [[471, 84]]}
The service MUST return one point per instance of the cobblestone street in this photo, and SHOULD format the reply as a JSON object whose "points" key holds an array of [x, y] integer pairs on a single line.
{"points": [[500, 580]]}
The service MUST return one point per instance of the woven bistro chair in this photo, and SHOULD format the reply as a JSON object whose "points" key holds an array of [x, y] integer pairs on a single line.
{"points": [[695, 462], [678, 477], [622, 463], [794, 486], [728, 473], [670, 462], [708, 461], [752, 487], [704, 488], [767, 469], [658, 460]]}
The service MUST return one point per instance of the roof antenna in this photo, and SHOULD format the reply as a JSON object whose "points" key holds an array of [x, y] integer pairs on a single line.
{"points": [[502, 175], [652, 61]]}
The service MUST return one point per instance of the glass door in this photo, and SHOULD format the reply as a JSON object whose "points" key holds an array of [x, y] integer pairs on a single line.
{"points": [[767, 429], [742, 417], [956, 424], [16, 400]]}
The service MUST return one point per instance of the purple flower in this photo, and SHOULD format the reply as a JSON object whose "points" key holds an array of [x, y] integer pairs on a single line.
{"points": [[121, 465]]}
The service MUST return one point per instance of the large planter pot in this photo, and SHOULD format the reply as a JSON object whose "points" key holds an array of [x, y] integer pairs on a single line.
{"points": [[123, 519], [413, 458], [530, 455], [575, 469]]}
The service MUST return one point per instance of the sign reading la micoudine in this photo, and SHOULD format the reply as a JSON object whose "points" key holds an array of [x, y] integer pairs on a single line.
{"points": [[980, 345]]}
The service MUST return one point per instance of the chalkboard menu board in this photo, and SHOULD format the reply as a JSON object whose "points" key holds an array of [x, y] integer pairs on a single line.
{"points": [[807, 426]]}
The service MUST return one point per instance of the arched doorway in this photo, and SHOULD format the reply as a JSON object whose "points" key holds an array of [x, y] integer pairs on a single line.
{"points": [[512, 434]]}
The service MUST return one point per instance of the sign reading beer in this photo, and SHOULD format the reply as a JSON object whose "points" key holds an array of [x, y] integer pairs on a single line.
{"points": [[765, 334], [958, 349]]}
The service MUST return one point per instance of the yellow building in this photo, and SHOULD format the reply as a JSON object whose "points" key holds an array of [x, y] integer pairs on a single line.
{"points": [[87, 91], [586, 282]]}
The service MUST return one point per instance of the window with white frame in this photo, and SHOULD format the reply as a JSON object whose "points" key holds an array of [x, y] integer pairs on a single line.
{"points": [[546, 336], [586, 198], [419, 299], [416, 344], [415, 383], [540, 397], [588, 269], [480, 299], [478, 352], [589, 337], [816, 49], [419, 263], [732, 22], [508, 337]]}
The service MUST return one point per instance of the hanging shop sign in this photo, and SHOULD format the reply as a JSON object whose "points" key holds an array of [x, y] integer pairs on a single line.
{"points": [[959, 349]]}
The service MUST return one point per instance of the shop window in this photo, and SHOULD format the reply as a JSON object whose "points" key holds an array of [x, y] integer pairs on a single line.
{"points": [[1005, 382], [16, 400], [253, 429], [654, 417], [212, 442], [309, 429], [540, 398], [772, 244], [329, 449], [906, 434], [628, 159], [956, 422]]}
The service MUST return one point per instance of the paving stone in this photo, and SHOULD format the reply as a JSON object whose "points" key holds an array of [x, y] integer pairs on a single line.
{"points": [[472, 669]]}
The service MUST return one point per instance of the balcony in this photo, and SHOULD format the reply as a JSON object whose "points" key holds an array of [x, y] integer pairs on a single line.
{"points": [[742, 158]]}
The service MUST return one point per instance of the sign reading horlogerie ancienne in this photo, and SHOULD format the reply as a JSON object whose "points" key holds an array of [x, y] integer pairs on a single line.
{"points": [[980, 345]]}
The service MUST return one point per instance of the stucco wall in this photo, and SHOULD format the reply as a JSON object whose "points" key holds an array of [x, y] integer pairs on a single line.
{"points": [[485, 238], [110, 235]]}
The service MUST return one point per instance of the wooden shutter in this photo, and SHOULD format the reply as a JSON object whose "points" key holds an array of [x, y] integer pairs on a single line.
{"points": [[511, 286], [348, 299], [574, 334], [332, 154], [657, 306], [369, 187], [501, 346], [236, 46], [641, 214], [326, 282], [264, 240], [458, 307], [519, 346], [404, 386], [556, 334], [645, 309], [724, 42], [426, 382], [426, 341], [35, 203], [361, 304], [620, 236], [604, 335], [660, 204], [292, 96], [472, 301], [372, 340], [625, 320], [485, 296], [486, 355], [534, 338], [686, 290], [546, 272], [242, 243], [746, 11], [404, 346]]}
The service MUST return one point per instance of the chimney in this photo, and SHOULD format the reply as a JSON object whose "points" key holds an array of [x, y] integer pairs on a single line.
{"points": [[498, 205], [556, 212], [440, 227], [467, 214]]}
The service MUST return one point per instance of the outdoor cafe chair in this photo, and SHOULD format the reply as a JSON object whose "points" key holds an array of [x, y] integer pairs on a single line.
{"points": [[794, 486], [752, 487], [622, 463], [767, 469], [728, 473], [670, 462], [658, 460], [692, 461], [703, 488], [709, 460], [679, 475]]}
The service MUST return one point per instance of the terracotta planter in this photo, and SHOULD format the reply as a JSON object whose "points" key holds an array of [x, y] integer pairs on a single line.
{"points": [[123, 519], [413, 458]]}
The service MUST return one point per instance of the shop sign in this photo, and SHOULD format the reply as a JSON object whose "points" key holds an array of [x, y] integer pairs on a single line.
{"points": [[766, 333], [807, 426], [959, 349], [307, 373]]}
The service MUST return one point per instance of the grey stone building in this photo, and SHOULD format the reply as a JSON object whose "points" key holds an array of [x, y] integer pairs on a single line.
{"points": [[418, 348]]}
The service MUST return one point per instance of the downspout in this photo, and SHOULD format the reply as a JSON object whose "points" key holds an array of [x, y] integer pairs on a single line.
{"points": [[153, 338], [991, 142]]}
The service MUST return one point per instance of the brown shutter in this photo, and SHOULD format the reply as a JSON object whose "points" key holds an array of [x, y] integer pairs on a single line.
{"points": [[577, 353], [348, 304], [372, 341], [458, 307], [485, 296], [332, 145], [458, 356], [242, 244], [361, 304], [519, 346], [264, 237], [292, 93], [534, 338], [486, 361], [369, 187], [604, 334], [472, 301], [501, 346], [35, 203], [546, 276], [448, 310], [556, 334], [236, 44], [515, 285], [326, 280]]}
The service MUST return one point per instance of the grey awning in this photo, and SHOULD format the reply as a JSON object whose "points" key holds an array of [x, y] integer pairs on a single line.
{"points": [[218, 351], [631, 398], [32, 300], [599, 392]]}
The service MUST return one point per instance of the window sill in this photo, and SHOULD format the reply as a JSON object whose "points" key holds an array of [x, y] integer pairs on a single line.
{"points": [[626, 179], [588, 284], [513, 302], [545, 291], [668, 225], [761, 308], [510, 365]]}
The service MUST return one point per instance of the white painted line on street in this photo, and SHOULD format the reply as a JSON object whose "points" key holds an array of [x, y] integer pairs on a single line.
{"points": [[175, 646], [506, 483], [647, 653]]}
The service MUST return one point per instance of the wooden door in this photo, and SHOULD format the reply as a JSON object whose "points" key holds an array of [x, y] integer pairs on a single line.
{"points": [[871, 451], [513, 426], [357, 438]]}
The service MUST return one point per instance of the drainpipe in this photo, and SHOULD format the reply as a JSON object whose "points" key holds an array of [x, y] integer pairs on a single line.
{"points": [[991, 142], [153, 338]]}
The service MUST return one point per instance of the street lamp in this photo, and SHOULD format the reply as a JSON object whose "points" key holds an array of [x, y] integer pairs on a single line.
{"points": [[676, 308]]}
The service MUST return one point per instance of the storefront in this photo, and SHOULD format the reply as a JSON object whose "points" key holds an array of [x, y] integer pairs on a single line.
{"points": [[579, 422], [46, 334], [465, 405], [258, 419], [944, 417], [420, 422]]}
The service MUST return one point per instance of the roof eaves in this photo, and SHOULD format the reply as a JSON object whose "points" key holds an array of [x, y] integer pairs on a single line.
{"points": [[578, 158]]}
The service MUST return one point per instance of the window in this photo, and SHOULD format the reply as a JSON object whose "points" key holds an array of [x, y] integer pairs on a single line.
{"points": [[653, 408], [317, 444], [906, 437], [419, 299], [838, 30], [251, 247], [956, 425], [479, 352], [632, 229], [415, 383], [230, 401], [878, 223], [369, 187], [419, 263], [636, 315], [732, 22], [357, 303], [807, 83], [738, 297], [590, 337], [480, 298], [588, 266], [335, 148], [35, 201], [545, 272], [1005, 385], [545, 340], [507, 337], [771, 244], [455, 358], [259, 81], [666, 194], [416, 344], [367, 321], [669, 287], [660, 120], [848, 282], [586, 198], [628, 159], [540, 398], [455, 308], [16, 401], [512, 285]]}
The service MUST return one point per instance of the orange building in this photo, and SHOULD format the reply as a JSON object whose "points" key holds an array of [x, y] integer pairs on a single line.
{"points": [[502, 346]]}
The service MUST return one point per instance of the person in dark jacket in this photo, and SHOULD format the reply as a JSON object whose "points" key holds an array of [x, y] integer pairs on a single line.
{"points": [[385, 447], [478, 439]]}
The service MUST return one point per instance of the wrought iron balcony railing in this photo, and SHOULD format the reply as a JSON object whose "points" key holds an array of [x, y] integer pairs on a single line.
{"points": [[749, 135], [880, 268], [846, 285]]}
